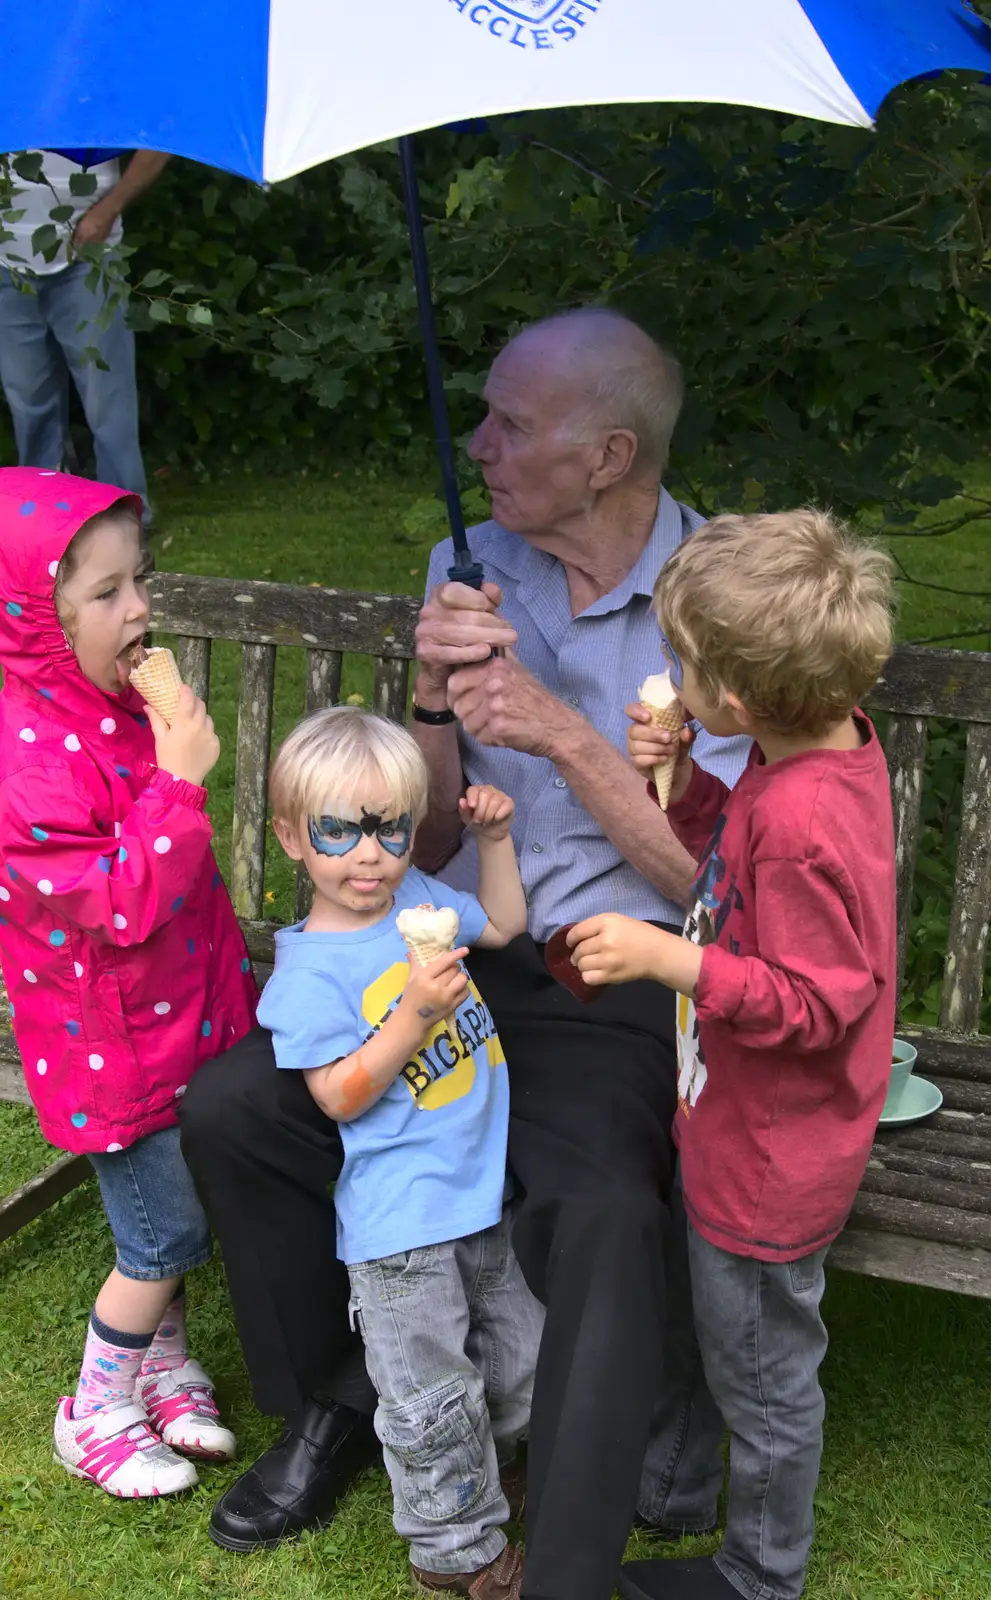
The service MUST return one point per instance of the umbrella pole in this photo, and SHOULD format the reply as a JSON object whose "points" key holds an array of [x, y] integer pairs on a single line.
{"points": [[464, 569]]}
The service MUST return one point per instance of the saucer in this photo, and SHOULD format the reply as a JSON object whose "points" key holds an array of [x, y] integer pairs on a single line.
{"points": [[919, 1099]]}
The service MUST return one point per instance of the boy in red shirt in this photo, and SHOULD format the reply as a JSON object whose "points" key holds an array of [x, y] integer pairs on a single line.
{"points": [[775, 626]]}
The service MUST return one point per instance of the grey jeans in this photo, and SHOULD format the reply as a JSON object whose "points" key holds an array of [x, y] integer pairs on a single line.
{"points": [[761, 1341], [451, 1335]]}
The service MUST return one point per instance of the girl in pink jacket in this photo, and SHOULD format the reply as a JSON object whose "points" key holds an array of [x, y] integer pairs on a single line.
{"points": [[123, 961]]}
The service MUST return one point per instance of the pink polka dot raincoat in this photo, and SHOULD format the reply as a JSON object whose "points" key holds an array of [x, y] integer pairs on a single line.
{"points": [[123, 961]]}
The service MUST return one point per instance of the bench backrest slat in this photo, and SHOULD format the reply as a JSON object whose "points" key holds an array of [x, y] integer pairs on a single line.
{"points": [[906, 753], [193, 661], [922, 682], [284, 613], [967, 941], [254, 735]]}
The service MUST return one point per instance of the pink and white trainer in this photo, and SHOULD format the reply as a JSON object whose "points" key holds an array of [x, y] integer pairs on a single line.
{"points": [[180, 1407], [117, 1450]]}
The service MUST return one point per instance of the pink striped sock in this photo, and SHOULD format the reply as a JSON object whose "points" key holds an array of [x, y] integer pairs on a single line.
{"points": [[111, 1363], [169, 1347]]}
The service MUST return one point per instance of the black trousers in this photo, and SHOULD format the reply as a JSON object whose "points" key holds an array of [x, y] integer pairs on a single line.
{"points": [[593, 1099]]}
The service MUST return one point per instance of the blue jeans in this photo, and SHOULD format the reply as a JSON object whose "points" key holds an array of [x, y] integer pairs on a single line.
{"points": [[451, 1335], [158, 1224], [43, 334], [761, 1341]]}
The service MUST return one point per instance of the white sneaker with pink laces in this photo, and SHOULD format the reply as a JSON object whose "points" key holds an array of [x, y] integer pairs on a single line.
{"points": [[117, 1450], [181, 1409]]}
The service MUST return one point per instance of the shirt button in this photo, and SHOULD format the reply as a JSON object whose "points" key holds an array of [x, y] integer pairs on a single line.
{"points": [[537, 849], [559, 783], [573, 700]]}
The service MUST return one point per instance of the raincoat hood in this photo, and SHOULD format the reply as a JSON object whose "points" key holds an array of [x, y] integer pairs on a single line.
{"points": [[40, 513]]}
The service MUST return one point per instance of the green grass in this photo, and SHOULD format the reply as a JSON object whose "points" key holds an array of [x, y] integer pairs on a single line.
{"points": [[905, 1496]]}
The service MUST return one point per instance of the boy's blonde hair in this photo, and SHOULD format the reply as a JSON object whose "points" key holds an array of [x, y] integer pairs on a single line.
{"points": [[790, 613], [342, 756]]}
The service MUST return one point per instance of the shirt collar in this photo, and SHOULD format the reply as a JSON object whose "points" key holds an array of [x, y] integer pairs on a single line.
{"points": [[665, 537]]}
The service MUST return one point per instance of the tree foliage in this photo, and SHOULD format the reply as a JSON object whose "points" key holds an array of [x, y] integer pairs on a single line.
{"points": [[827, 288]]}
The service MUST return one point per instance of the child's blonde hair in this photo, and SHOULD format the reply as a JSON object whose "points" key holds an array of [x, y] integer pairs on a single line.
{"points": [[345, 755], [789, 612]]}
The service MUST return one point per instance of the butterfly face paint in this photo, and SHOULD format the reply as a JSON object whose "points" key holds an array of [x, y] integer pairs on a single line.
{"points": [[338, 836]]}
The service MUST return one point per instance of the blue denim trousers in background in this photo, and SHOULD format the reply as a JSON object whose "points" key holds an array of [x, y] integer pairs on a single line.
{"points": [[761, 1341], [42, 338], [158, 1224], [451, 1336]]}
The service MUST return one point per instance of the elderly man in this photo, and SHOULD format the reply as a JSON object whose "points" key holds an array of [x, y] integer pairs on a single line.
{"points": [[581, 410]]}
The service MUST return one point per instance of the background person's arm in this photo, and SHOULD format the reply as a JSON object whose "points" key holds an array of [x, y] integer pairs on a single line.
{"points": [[140, 173]]}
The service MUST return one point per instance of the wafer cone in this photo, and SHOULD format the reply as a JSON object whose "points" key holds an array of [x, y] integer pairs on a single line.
{"points": [[673, 719], [428, 933], [157, 679]]}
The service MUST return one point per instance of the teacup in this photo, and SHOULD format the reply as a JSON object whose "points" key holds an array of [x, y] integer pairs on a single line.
{"points": [[903, 1059]]}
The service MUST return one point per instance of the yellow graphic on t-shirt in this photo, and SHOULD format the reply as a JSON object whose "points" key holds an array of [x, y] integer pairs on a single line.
{"points": [[443, 1069]]}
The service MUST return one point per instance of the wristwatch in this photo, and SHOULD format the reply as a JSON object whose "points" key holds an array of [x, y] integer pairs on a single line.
{"points": [[433, 719]]}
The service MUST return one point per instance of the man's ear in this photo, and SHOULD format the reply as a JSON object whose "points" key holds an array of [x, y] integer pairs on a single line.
{"points": [[288, 837], [616, 456]]}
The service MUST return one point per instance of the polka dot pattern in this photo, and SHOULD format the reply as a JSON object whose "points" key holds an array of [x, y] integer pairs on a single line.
{"points": [[96, 1062], [108, 725], [72, 743], [53, 569], [105, 863], [29, 976], [44, 885], [4, 892], [206, 1028], [62, 505], [122, 855], [28, 735], [181, 1091], [162, 845], [119, 920], [41, 1067], [79, 1119], [27, 508], [162, 1008], [245, 964], [113, 1148], [56, 938], [177, 902], [123, 772], [39, 834], [13, 609], [77, 968], [73, 1030]]}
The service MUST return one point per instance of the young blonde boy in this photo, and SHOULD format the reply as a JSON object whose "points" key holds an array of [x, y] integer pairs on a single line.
{"points": [[777, 627], [406, 1059]]}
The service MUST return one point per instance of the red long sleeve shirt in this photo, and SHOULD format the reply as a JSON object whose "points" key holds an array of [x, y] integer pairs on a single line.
{"points": [[784, 1055]]}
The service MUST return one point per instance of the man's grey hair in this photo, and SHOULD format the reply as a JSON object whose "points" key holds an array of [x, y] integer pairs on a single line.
{"points": [[627, 380]]}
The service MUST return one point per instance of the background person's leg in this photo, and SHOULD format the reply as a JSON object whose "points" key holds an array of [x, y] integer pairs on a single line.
{"points": [[109, 394], [33, 375], [683, 1466]]}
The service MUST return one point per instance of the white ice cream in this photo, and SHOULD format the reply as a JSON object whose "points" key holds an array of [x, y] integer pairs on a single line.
{"points": [[657, 690]]}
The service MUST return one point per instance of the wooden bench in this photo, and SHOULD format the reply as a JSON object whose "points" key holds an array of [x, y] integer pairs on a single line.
{"points": [[924, 1212]]}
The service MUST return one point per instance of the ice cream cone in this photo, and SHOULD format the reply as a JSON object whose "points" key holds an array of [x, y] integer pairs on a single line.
{"points": [[428, 933], [157, 679], [659, 698]]}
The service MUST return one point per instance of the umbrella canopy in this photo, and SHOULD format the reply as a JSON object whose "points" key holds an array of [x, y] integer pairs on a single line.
{"points": [[266, 88]]}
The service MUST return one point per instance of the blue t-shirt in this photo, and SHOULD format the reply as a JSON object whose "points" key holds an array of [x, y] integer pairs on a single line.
{"points": [[427, 1162]]}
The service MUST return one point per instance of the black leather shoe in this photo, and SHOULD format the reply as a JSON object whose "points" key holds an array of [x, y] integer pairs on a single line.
{"points": [[298, 1483]]}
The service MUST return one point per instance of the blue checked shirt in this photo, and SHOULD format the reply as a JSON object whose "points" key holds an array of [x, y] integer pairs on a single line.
{"points": [[595, 662]]}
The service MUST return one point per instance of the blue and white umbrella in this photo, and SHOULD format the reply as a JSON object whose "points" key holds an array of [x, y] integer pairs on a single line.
{"points": [[267, 88]]}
